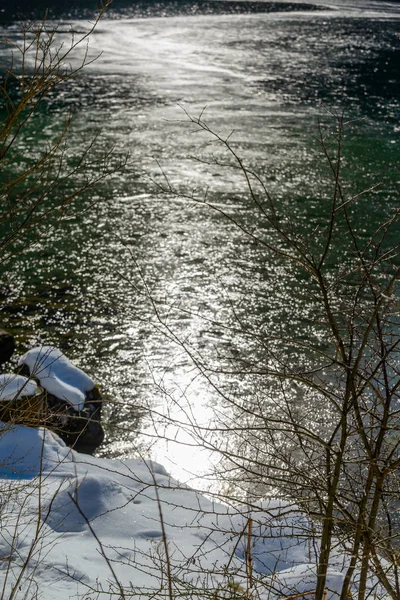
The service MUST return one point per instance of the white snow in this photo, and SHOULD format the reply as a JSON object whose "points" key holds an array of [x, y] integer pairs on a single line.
{"points": [[13, 386], [58, 375], [51, 549]]}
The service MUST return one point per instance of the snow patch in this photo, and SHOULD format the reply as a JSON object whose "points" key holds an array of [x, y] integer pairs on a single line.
{"points": [[13, 386]]}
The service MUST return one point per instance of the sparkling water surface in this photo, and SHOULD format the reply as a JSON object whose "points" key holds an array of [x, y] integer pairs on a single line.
{"points": [[135, 286]]}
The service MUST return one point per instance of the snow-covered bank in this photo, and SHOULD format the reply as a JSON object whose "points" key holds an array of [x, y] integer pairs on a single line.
{"points": [[75, 525]]}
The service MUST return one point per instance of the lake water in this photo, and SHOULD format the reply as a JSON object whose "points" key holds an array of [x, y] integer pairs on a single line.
{"points": [[142, 284]]}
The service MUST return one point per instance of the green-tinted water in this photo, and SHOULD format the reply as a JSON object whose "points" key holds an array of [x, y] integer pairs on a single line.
{"points": [[272, 78]]}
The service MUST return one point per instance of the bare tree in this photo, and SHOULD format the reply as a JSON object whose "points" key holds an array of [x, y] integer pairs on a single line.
{"points": [[322, 425]]}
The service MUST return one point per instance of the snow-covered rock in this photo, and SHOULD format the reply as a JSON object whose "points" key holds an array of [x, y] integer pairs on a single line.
{"points": [[14, 386], [58, 375]]}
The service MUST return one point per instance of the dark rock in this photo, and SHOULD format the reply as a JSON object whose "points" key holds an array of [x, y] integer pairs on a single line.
{"points": [[7, 346], [80, 430], [24, 370]]}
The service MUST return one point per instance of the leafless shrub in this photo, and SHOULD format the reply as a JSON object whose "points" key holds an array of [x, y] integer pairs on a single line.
{"points": [[322, 426]]}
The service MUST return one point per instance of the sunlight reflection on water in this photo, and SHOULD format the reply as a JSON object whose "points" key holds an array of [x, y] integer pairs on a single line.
{"points": [[269, 78]]}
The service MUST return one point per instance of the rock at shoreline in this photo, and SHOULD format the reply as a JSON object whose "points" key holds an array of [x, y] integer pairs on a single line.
{"points": [[82, 429], [57, 375], [7, 346], [73, 403], [16, 386]]}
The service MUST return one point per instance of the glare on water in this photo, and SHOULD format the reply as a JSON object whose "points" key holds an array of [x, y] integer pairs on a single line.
{"points": [[136, 289]]}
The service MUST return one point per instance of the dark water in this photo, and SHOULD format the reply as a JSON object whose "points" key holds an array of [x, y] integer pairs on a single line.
{"points": [[78, 9], [270, 77]]}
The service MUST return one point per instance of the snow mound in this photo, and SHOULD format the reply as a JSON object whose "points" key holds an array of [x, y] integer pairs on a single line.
{"points": [[13, 386], [58, 375], [28, 452], [77, 526]]}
